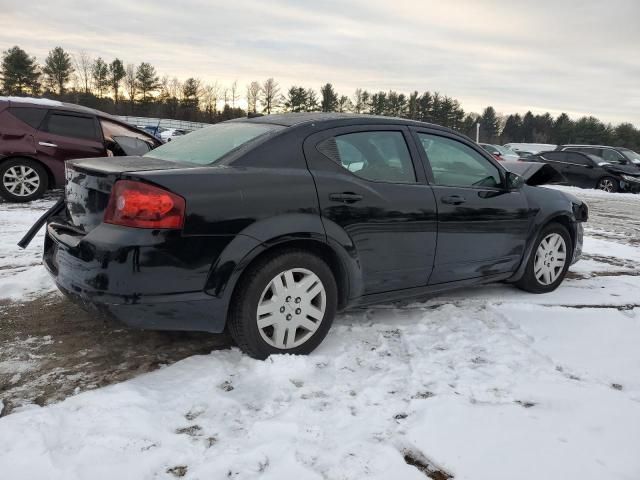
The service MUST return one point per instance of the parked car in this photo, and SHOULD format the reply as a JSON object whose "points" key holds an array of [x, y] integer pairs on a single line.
{"points": [[170, 133], [501, 153], [38, 135], [614, 155], [523, 149], [590, 171], [268, 226]]}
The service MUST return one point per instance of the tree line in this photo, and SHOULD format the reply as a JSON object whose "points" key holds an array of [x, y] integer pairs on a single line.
{"points": [[138, 90]]}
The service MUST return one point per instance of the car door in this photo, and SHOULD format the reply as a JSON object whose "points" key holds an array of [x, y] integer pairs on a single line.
{"points": [[580, 170], [482, 226], [375, 203], [66, 135]]}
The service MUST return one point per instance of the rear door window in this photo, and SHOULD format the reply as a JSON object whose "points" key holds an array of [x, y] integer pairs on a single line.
{"points": [[380, 156], [31, 116], [578, 159], [73, 126]]}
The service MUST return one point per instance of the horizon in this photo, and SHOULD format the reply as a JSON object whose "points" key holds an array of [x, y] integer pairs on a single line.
{"points": [[565, 70]]}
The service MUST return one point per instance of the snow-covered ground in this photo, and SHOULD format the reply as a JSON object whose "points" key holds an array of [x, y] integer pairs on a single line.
{"points": [[484, 383]]}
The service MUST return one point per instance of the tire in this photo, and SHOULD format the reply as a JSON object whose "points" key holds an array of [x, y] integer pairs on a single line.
{"points": [[608, 184], [22, 180], [534, 279], [286, 309]]}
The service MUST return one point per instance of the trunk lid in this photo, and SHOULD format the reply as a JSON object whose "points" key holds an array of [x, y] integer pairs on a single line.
{"points": [[89, 183]]}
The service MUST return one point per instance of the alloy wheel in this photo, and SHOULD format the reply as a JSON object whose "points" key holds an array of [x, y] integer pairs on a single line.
{"points": [[606, 185], [291, 308], [21, 180], [550, 259]]}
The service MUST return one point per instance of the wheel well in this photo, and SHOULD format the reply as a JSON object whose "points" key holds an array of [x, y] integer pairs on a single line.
{"points": [[566, 223], [51, 180], [315, 247]]}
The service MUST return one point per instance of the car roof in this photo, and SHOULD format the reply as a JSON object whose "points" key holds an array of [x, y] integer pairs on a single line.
{"points": [[54, 105], [296, 119], [583, 146]]}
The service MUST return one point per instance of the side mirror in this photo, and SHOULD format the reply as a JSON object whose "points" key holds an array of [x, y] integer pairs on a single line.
{"points": [[514, 181]]}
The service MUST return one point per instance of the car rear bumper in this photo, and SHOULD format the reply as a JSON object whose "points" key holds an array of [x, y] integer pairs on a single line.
{"points": [[154, 283]]}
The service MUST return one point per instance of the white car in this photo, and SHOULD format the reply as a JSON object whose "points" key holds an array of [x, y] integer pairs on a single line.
{"points": [[170, 133], [530, 148]]}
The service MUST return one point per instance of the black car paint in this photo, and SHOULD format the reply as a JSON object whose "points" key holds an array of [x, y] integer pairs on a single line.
{"points": [[584, 170], [277, 194]]}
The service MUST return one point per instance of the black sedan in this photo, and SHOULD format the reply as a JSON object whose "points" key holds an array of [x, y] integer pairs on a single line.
{"points": [[589, 171], [269, 226]]}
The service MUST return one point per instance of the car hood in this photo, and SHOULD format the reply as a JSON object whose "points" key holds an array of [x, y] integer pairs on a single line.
{"points": [[535, 173], [626, 169]]}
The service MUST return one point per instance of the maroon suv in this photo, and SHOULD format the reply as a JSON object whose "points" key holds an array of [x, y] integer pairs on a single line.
{"points": [[38, 135]]}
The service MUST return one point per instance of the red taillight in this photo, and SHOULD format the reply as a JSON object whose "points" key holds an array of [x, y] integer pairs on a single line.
{"points": [[140, 205], [498, 156]]}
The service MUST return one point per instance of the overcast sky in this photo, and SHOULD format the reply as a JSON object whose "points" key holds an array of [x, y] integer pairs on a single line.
{"points": [[581, 57]]}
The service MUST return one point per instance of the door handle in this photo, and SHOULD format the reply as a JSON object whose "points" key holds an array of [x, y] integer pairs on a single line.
{"points": [[453, 200], [47, 144], [345, 197]]}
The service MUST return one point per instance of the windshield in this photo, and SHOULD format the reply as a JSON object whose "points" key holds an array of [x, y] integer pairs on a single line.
{"points": [[210, 144], [505, 150], [631, 155]]}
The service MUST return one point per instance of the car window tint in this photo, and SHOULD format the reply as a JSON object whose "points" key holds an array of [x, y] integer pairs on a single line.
{"points": [[578, 159], [31, 116], [555, 156], [455, 164], [112, 129], [71, 126], [131, 145], [612, 156], [210, 144], [379, 156]]}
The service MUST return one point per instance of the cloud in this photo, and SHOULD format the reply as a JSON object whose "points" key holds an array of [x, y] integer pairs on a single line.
{"points": [[580, 57]]}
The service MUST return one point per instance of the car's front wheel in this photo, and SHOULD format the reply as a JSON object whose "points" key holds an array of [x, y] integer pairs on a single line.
{"points": [[608, 184], [22, 180], [284, 304], [549, 260]]}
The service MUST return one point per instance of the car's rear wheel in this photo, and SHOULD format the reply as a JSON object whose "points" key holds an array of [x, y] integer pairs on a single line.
{"points": [[22, 180], [549, 261], [608, 184], [284, 304]]}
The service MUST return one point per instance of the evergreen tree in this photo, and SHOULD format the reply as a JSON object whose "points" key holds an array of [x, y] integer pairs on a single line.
{"points": [[413, 106], [562, 130], [329, 102], [344, 104], [116, 74], [19, 73], [512, 132], [58, 69], [528, 127], [147, 80], [591, 131], [378, 103], [296, 100], [312, 101], [100, 74], [489, 126], [425, 107]]}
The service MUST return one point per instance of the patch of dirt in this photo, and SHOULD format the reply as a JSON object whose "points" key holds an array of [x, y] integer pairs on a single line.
{"points": [[425, 467], [52, 349]]}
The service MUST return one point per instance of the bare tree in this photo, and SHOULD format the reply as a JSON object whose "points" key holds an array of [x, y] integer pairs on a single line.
{"points": [[234, 93], [83, 64], [130, 82], [210, 95], [253, 95], [270, 95]]}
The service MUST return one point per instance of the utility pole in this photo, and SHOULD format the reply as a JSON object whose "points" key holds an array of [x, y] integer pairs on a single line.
{"points": [[478, 132]]}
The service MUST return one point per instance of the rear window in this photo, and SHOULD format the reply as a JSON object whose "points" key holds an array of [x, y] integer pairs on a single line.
{"points": [[71, 126], [31, 116], [210, 144]]}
